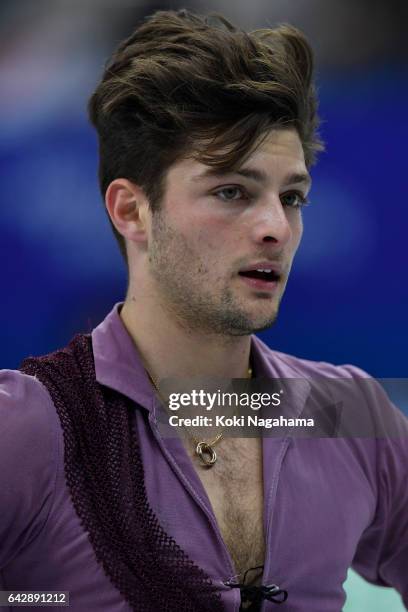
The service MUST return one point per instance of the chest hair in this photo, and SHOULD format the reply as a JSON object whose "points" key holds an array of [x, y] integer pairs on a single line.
{"points": [[234, 485]]}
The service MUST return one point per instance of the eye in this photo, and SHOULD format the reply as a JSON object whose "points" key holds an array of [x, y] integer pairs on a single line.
{"points": [[294, 199], [231, 193]]}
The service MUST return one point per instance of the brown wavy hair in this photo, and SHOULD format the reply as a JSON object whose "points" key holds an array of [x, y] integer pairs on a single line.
{"points": [[189, 85]]}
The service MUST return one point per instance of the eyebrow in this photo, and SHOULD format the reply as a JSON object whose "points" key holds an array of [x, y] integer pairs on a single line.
{"points": [[252, 173]]}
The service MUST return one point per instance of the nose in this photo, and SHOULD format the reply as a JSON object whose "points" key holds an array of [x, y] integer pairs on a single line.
{"points": [[271, 222]]}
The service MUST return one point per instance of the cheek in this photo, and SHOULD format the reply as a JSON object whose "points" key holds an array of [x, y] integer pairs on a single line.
{"points": [[215, 246], [297, 230], [212, 237]]}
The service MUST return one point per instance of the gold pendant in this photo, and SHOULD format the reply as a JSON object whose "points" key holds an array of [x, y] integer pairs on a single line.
{"points": [[206, 453]]}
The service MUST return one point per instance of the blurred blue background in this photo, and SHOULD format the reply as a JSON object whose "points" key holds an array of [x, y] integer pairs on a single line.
{"points": [[346, 301]]}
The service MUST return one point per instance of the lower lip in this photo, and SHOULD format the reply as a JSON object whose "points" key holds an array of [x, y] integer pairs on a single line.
{"points": [[259, 284]]}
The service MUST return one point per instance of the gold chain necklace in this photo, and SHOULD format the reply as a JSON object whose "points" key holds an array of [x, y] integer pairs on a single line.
{"points": [[203, 450]]}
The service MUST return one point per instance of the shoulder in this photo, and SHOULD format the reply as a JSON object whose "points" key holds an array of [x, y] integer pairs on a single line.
{"points": [[359, 392], [25, 408], [297, 366], [28, 458]]}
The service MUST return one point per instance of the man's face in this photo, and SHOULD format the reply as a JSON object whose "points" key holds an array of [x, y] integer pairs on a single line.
{"points": [[213, 233]]}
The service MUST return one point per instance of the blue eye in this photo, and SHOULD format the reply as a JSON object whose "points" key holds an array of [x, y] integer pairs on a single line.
{"points": [[226, 194], [294, 199]]}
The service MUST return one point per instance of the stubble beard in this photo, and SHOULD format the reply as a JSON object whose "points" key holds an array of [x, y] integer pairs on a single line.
{"points": [[182, 279]]}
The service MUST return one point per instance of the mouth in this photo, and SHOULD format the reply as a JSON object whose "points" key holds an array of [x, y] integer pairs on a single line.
{"points": [[262, 279]]}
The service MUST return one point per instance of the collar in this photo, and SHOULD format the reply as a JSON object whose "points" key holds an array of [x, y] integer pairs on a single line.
{"points": [[118, 364]]}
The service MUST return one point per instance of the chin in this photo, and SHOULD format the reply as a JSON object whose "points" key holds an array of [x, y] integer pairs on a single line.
{"points": [[251, 325], [261, 326], [266, 320]]}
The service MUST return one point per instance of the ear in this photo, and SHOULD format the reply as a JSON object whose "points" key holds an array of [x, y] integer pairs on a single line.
{"points": [[128, 209]]}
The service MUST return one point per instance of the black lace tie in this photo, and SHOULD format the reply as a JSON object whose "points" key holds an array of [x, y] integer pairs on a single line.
{"points": [[256, 594]]}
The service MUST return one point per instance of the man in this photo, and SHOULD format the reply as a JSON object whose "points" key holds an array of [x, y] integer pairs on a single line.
{"points": [[207, 135]]}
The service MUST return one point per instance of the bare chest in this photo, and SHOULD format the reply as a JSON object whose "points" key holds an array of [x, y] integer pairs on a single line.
{"points": [[234, 485]]}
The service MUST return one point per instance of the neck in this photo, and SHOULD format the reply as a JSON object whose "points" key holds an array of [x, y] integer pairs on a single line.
{"points": [[169, 349]]}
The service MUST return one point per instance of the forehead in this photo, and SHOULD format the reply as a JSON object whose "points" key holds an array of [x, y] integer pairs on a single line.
{"points": [[278, 156], [281, 142]]}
